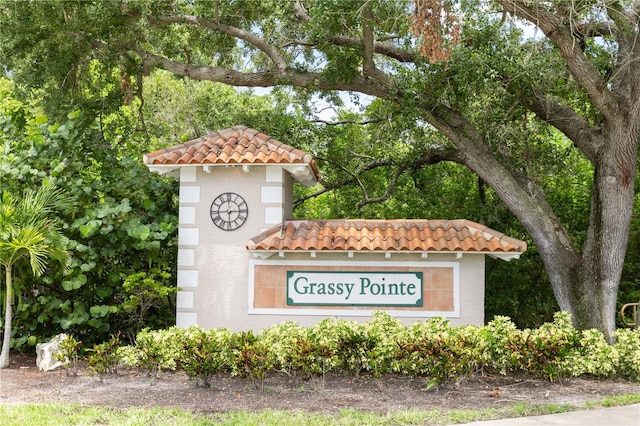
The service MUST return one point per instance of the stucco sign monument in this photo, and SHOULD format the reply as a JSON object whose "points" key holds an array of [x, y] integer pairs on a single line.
{"points": [[245, 263]]}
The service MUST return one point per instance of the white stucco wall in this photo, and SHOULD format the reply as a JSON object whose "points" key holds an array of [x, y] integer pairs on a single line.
{"points": [[212, 270], [213, 265]]}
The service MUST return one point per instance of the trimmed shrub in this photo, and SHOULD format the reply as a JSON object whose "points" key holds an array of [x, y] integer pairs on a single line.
{"points": [[205, 353], [158, 349], [431, 349], [628, 347]]}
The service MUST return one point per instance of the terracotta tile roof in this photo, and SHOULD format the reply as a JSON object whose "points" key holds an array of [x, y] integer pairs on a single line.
{"points": [[235, 145], [386, 235]]}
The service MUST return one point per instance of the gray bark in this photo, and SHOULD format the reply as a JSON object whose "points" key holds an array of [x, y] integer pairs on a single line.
{"points": [[8, 316]]}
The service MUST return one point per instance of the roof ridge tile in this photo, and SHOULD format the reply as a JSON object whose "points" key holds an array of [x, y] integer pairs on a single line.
{"points": [[382, 235], [223, 143]]}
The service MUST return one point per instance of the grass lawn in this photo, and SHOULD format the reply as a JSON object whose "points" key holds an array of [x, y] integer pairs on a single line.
{"points": [[73, 414]]}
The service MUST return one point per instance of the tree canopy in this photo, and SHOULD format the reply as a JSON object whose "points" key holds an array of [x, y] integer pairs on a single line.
{"points": [[457, 82]]}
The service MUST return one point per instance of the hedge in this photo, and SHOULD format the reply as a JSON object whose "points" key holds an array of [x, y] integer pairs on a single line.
{"points": [[431, 349]]}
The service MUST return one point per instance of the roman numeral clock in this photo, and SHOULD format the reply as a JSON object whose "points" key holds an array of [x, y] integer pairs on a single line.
{"points": [[229, 211]]}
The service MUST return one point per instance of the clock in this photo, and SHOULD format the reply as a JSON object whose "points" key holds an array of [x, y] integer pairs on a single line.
{"points": [[229, 211]]}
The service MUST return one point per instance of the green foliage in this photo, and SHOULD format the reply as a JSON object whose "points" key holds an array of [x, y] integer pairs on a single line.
{"points": [[384, 329], [250, 356], [594, 356], [354, 345], [116, 234], [491, 80], [284, 340], [319, 349], [495, 344], [105, 357], [155, 350], [145, 293], [435, 350], [627, 346], [519, 289], [542, 351], [30, 236], [204, 354], [432, 350], [69, 354]]}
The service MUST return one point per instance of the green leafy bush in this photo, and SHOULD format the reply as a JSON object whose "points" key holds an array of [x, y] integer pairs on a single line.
{"points": [[322, 353], [122, 238], [69, 354], [628, 347], [354, 346], [433, 350], [251, 357], [497, 341], [283, 341], [104, 357], [593, 356], [204, 353], [383, 328], [157, 350], [544, 349]]}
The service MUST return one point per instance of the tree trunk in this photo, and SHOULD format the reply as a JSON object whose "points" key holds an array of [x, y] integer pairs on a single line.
{"points": [[596, 286], [588, 288], [585, 283], [4, 355]]}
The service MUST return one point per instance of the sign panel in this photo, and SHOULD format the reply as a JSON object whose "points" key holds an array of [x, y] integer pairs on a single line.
{"points": [[354, 288]]}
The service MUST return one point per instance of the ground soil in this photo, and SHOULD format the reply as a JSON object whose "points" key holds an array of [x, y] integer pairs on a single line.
{"points": [[24, 383]]}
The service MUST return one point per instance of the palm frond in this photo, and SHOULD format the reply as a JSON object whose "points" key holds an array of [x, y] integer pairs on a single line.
{"points": [[29, 228]]}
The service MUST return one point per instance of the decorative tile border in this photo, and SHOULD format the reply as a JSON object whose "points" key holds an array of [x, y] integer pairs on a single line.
{"points": [[268, 287]]}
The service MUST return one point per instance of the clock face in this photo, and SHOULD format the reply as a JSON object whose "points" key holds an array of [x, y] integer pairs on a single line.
{"points": [[229, 211]]}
